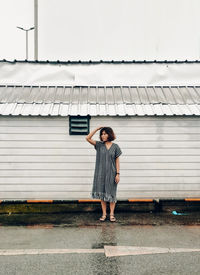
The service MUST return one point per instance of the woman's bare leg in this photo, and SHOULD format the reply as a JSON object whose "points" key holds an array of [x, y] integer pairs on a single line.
{"points": [[103, 206], [112, 208]]}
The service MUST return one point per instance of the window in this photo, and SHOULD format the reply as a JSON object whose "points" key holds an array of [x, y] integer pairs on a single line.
{"points": [[79, 125]]}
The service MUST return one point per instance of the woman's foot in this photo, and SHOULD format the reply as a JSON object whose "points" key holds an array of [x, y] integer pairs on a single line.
{"points": [[112, 218], [103, 218]]}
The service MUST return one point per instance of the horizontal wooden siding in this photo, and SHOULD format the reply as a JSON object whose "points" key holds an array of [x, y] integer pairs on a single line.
{"points": [[40, 160]]}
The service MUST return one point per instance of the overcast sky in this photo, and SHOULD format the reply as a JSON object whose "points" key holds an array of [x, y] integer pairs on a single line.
{"points": [[102, 29]]}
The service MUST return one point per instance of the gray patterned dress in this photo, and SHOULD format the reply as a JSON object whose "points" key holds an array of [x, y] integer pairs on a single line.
{"points": [[104, 185]]}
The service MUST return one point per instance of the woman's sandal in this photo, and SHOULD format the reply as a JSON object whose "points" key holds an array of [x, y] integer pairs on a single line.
{"points": [[112, 218], [103, 218]]}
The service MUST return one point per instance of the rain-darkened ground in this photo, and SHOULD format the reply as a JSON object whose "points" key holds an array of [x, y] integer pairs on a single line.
{"points": [[92, 218], [78, 243]]}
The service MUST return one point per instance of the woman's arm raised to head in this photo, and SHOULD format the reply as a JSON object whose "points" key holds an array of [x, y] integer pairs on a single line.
{"points": [[89, 136]]}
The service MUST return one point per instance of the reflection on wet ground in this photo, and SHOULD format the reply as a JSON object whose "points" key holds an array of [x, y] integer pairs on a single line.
{"points": [[91, 220]]}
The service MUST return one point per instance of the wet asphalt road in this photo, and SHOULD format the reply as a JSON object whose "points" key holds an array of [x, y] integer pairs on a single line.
{"points": [[84, 231]]}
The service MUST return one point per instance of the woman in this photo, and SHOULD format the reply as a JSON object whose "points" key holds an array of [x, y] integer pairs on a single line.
{"points": [[106, 175]]}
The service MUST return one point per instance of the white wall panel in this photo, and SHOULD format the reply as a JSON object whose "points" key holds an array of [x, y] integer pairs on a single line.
{"points": [[39, 160]]}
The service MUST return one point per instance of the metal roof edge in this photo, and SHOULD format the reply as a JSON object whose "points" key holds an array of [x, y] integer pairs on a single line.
{"points": [[100, 61], [99, 86]]}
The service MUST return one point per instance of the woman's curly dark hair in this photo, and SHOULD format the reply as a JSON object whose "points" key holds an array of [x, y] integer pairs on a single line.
{"points": [[109, 131]]}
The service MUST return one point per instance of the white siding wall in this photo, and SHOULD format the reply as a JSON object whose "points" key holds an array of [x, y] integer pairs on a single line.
{"points": [[39, 160]]}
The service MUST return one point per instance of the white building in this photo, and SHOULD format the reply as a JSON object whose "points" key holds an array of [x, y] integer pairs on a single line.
{"points": [[153, 108]]}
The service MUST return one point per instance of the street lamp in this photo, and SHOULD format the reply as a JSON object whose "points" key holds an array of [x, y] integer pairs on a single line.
{"points": [[26, 30]]}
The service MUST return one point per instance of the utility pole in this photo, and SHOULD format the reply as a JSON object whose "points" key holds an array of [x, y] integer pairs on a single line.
{"points": [[26, 30], [36, 29]]}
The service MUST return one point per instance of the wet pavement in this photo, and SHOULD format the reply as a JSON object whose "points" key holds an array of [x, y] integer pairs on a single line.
{"points": [[78, 243], [92, 218]]}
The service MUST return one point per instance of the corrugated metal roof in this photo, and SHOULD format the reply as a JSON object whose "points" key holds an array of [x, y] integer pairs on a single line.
{"points": [[64, 101]]}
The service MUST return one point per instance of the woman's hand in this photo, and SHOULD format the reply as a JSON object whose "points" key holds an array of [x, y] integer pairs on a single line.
{"points": [[117, 178], [100, 127]]}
